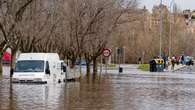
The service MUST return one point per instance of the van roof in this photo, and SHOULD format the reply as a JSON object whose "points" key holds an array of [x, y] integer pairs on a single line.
{"points": [[38, 56]]}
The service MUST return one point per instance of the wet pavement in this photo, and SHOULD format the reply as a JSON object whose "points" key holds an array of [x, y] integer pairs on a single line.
{"points": [[187, 69], [129, 91]]}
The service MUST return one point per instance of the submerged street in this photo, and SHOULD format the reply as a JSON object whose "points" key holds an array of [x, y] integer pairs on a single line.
{"points": [[131, 90], [97, 54]]}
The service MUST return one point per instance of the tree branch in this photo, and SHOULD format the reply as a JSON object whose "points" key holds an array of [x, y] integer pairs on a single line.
{"points": [[20, 12], [3, 31]]}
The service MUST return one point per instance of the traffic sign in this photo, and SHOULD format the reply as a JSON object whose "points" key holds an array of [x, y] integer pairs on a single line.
{"points": [[106, 52]]}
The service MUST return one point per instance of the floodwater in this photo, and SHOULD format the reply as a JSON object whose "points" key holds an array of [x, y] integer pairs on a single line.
{"points": [[112, 92]]}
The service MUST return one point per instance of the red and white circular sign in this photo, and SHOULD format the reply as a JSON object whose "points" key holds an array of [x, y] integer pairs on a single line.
{"points": [[107, 52]]}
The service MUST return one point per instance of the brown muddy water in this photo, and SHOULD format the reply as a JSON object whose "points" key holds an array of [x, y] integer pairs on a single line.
{"points": [[111, 92]]}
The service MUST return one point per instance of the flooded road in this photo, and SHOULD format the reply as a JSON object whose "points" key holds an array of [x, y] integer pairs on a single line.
{"points": [[112, 92]]}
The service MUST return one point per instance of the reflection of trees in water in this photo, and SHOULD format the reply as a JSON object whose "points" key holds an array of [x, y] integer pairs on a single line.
{"points": [[7, 97], [35, 96], [87, 94], [152, 96], [69, 95], [12, 103], [109, 93]]}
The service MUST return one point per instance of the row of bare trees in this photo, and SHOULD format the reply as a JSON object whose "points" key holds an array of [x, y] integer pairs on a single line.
{"points": [[81, 29], [11, 15], [73, 28]]}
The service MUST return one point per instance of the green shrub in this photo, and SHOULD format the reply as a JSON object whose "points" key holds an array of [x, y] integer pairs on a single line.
{"points": [[193, 17], [112, 65], [109, 65], [144, 67]]}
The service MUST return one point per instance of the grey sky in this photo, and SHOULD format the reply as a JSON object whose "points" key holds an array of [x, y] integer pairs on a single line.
{"points": [[182, 4]]}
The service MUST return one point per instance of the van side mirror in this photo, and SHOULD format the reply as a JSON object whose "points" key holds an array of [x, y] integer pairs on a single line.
{"points": [[64, 68], [47, 71]]}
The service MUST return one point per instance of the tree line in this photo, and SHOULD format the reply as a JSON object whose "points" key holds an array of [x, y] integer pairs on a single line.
{"points": [[81, 29], [73, 28]]}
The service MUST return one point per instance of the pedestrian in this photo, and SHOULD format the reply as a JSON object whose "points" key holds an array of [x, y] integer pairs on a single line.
{"points": [[167, 65], [177, 59], [152, 65], [182, 60], [165, 58], [173, 63]]}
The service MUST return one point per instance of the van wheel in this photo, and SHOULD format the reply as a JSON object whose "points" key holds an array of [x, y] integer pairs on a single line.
{"points": [[59, 81]]}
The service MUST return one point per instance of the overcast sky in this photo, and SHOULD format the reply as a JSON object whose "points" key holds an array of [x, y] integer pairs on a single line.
{"points": [[182, 4]]}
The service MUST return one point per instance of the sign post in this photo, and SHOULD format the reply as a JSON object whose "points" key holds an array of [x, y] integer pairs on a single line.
{"points": [[101, 65], [106, 53]]}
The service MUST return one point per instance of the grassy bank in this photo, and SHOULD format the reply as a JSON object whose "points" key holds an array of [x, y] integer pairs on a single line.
{"points": [[144, 67]]}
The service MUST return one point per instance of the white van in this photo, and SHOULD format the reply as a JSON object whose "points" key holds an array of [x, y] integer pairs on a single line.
{"points": [[38, 68]]}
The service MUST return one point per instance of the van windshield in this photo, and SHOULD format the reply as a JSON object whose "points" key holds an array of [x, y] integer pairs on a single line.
{"points": [[30, 66]]}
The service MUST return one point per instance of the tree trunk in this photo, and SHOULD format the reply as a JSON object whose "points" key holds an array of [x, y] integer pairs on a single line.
{"points": [[95, 67], [72, 62], [1, 66], [80, 68], [13, 59], [88, 68]]}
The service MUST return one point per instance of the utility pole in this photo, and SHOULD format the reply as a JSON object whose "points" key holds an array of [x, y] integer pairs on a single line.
{"points": [[161, 27], [124, 54], [171, 22]]}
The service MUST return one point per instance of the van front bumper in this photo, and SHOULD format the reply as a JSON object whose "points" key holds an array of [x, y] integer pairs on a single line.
{"points": [[36, 80]]}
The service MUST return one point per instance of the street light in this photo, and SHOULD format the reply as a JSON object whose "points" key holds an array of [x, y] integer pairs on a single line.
{"points": [[161, 28], [170, 31]]}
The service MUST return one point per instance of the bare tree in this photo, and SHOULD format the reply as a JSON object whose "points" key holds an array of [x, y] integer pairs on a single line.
{"points": [[11, 13], [106, 16]]}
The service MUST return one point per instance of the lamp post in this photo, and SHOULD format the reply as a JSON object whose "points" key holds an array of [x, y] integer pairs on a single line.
{"points": [[161, 28], [171, 21], [124, 55]]}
